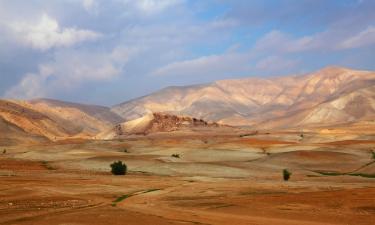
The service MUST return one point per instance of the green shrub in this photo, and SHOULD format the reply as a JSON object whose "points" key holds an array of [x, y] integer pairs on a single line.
{"points": [[373, 155], [176, 155], [118, 168], [286, 174]]}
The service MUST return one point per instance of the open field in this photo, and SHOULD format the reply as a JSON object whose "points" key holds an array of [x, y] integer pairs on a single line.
{"points": [[220, 178]]}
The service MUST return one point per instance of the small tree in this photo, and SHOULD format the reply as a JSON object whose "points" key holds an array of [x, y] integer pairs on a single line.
{"points": [[118, 168], [286, 174]]}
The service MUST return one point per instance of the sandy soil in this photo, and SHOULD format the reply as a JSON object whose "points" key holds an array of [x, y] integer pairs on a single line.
{"points": [[218, 179]]}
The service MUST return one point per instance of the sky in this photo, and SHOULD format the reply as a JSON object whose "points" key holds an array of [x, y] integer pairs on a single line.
{"points": [[109, 51]]}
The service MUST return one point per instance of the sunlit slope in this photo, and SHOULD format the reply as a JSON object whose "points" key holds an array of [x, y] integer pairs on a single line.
{"points": [[52, 120], [252, 101]]}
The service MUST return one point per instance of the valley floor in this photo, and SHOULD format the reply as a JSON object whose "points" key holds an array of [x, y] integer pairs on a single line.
{"points": [[219, 178]]}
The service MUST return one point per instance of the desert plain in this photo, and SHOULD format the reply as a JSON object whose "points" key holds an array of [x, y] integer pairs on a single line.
{"points": [[221, 176]]}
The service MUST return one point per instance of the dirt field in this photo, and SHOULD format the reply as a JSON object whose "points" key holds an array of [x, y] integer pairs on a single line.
{"points": [[222, 178]]}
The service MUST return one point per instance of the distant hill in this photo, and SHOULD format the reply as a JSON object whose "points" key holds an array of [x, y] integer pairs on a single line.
{"points": [[153, 123], [333, 96], [43, 119], [323, 97]]}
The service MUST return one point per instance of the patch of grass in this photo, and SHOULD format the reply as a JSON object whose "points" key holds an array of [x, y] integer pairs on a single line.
{"points": [[311, 175], [249, 134], [223, 206], [122, 197], [125, 196], [363, 175], [331, 173], [47, 166], [263, 192]]}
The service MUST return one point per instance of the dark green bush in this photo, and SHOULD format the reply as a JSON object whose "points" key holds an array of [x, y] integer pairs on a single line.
{"points": [[373, 155], [286, 174], [118, 168], [176, 155]]}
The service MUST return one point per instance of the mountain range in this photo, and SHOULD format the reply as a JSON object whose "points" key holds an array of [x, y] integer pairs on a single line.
{"points": [[329, 97]]}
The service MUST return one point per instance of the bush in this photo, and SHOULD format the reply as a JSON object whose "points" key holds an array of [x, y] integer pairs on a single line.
{"points": [[373, 155], [286, 174], [118, 168], [176, 155]]}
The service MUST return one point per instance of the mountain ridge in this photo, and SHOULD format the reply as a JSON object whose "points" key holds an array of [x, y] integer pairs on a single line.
{"points": [[328, 97], [246, 99]]}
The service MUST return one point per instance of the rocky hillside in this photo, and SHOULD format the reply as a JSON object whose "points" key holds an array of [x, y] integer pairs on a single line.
{"points": [[333, 96], [155, 122], [253, 101], [24, 122]]}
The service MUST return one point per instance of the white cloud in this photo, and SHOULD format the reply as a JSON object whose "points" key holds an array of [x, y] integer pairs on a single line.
{"points": [[88, 4], [69, 70], [282, 42], [227, 63], [364, 38], [151, 6], [155, 5], [32, 85], [47, 33], [275, 64]]}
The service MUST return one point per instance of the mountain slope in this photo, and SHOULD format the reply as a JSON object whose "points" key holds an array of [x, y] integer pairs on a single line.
{"points": [[332, 96], [101, 113], [355, 106], [52, 120], [20, 118], [88, 119], [252, 101], [13, 135]]}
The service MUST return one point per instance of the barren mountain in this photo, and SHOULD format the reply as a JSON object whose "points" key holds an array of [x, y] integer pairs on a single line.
{"points": [[332, 96], [306, 99], [24, 122], [87, 119]]}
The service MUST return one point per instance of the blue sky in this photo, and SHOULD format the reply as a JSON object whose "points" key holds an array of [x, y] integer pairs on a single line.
{"points": [[109, 51]]}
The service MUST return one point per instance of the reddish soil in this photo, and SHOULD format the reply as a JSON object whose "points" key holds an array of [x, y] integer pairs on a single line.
{"points": [[352, 142], [260, 142], [252, 191]]}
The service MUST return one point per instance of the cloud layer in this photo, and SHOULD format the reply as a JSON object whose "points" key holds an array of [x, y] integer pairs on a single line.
{"points": [[47, 33], [109, 51]]}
